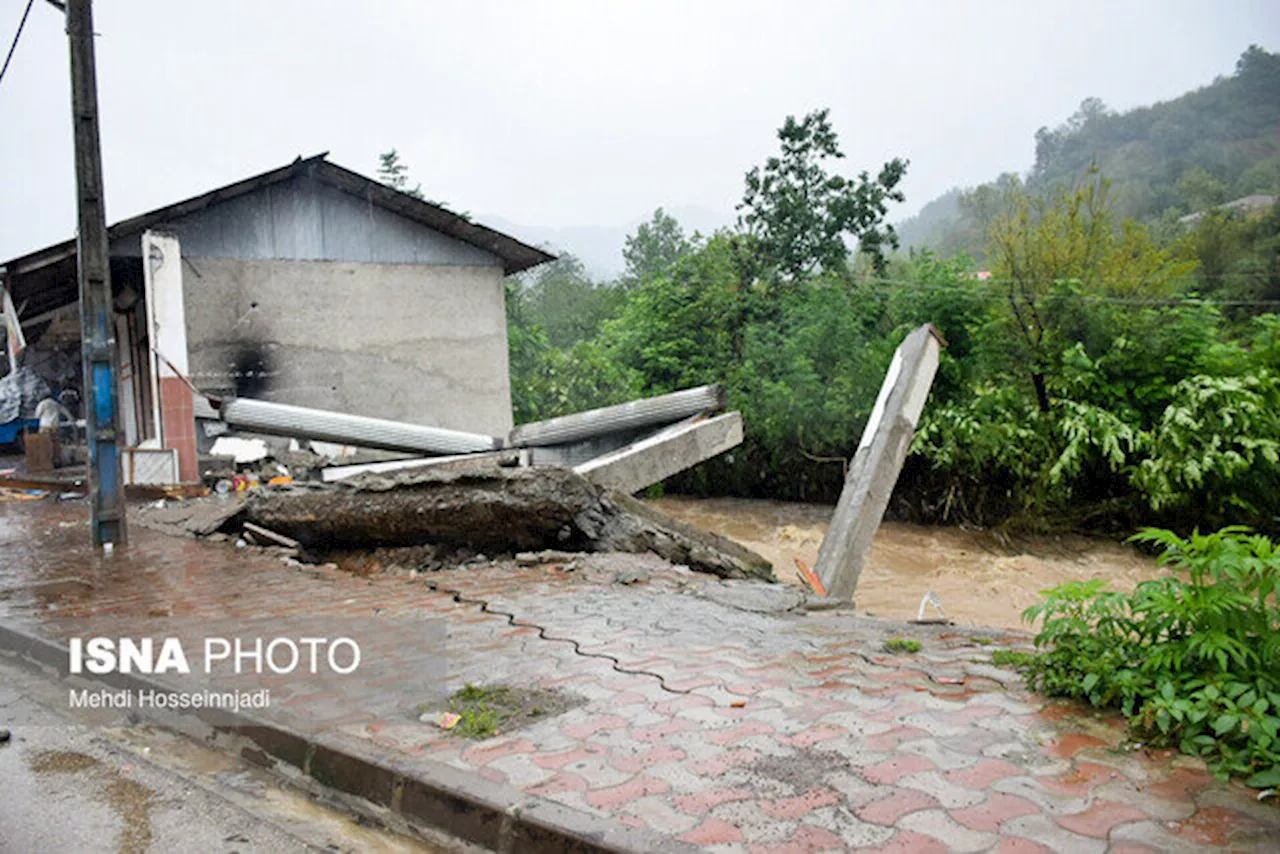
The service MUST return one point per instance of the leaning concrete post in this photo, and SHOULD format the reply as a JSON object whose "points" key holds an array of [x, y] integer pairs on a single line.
{"points": [[877, 462]]}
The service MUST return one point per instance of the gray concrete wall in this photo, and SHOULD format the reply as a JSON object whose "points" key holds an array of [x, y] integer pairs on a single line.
{"points": [[426, 344]]}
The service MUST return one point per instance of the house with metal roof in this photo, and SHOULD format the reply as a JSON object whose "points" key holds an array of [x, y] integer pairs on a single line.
{"points": [[309, 285]]}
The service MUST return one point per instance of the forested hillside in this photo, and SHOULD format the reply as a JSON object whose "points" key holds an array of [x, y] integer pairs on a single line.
{"points": [[1207, 147]]}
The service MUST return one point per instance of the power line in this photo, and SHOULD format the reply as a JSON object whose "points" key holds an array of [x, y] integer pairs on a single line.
{"points": [[16, 36]]}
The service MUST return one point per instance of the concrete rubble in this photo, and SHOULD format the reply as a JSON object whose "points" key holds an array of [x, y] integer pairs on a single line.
{"points": [[498, 511]]}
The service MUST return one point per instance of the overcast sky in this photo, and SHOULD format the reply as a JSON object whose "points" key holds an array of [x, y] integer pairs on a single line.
{"points": [[560, 114]]}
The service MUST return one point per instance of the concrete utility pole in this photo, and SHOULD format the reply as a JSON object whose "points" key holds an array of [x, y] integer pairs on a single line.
{"points": [[878, 461], [97, 326]]}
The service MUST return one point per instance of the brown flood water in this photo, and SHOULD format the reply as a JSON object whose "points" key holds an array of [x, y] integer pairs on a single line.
{"points": [[979, 580]]}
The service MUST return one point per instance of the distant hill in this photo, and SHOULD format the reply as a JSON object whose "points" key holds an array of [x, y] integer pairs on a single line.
{"points": [[1204, 148]]}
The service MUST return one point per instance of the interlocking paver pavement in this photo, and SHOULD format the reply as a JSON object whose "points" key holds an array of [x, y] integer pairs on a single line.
{"points": [[732, 730]]}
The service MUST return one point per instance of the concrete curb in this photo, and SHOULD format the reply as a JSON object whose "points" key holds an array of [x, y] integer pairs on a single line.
{"points": [[492, 815]]}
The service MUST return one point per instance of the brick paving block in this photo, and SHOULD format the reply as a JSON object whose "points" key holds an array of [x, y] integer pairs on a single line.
{"points": [[982, 774], [910, 842], [634, 789], [808, 839], [735, 734], [563, 781], [701, 803], [891, 770], [939, 825], [1218, 826], [725, 761], [557, 760], [948, 794], [1069, 744], [1153, 835], [482, 753], [1018, 845], [815, 734], [1041, 828], [1126, 792], [1082, 778], [856, 791], [1098, 820], [1032, 789], [798, 806], [520, 772], [890, 739], [658, 814], [996, 809], [590, 727], [888, 810], [638, 760], [1239, 798], [936, 723], [1027, 757], [944, 758], [713, 831], [658, 732]]}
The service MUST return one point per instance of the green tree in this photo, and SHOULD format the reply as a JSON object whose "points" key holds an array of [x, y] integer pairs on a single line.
{"points": [[395, 174], [563, 300], [800, 214], [1049, 252], [1201, 190], [654, 249]]}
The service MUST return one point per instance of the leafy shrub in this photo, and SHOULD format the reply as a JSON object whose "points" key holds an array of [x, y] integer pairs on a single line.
{"points": [[1191, 659]]}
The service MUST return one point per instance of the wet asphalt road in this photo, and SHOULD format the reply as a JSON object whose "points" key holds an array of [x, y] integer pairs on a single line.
{"points": [[71, 788]]}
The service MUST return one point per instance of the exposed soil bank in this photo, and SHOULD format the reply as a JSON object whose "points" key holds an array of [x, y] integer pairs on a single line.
{"points": [[979, 580]]}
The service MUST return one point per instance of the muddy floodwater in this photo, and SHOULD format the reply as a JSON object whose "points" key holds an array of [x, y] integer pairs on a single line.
{"points": [[979, 579]]}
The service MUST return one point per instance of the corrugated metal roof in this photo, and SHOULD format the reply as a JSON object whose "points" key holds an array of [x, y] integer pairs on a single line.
{"points": [[515, 255]]}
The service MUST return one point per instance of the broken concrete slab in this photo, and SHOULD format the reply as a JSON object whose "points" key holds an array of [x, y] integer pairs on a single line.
{"points": [[755, 597], [498, 510], [198, 518], [655, 458], [641, 527]]}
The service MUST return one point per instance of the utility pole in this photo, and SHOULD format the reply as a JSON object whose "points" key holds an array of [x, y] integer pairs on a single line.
{"points": [[97, 322]]}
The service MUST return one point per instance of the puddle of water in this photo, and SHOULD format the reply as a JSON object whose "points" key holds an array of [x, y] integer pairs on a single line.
{"points": [[978, 581]]}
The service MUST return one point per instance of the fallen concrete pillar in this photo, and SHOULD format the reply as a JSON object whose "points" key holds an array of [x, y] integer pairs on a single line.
{"points": [[649, 412], [669, 451], [878, 461], [261, 416]]}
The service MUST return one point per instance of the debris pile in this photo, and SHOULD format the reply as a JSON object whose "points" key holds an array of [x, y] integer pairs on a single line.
{"points": [[499, 511]]}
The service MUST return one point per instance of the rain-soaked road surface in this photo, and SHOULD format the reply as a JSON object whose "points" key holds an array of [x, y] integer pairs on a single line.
{"points": [[71, 788]]}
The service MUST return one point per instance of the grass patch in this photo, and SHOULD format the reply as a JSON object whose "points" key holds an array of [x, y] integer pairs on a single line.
{"points": [[906, 645], [1018, 659], [981, 641], [487, 710]]}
